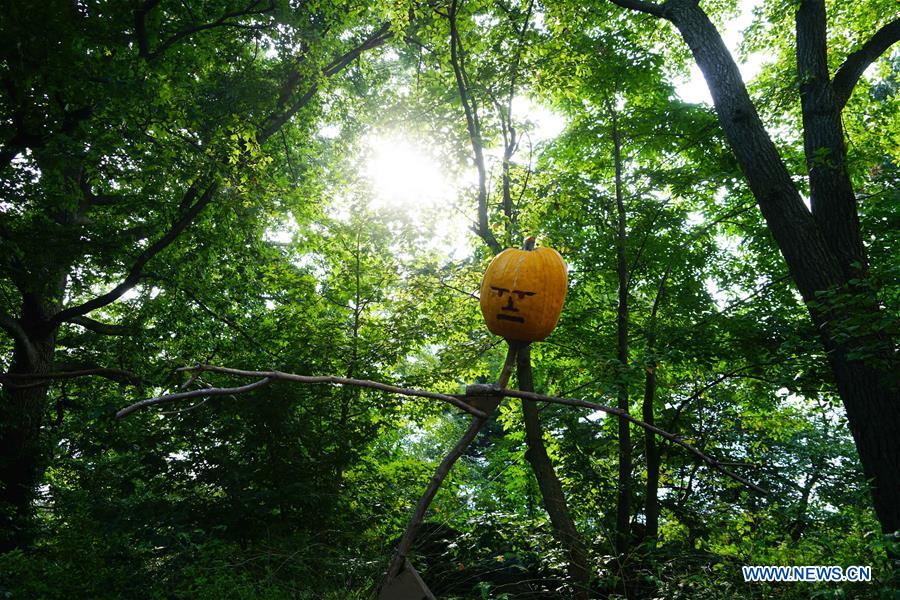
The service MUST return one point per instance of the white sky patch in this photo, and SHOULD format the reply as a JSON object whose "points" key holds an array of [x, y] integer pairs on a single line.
{"points": [[694, 89], [719, 296], [131, 294], [695, 219], [283, 233], [547, 124], [330, 131], [597, 415]]}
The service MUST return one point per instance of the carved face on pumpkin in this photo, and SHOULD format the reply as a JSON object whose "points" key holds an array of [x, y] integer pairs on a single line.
{"points": [[522, 293]]}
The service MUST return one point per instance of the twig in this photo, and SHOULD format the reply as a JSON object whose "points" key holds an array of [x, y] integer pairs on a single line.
{"points": [[120, 375], [201, 393]]}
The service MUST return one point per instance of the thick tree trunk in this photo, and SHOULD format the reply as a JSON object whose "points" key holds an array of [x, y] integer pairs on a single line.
{"points": [[872, 401], [623, 506], [822, 247], [22, 407], [551, 488]]}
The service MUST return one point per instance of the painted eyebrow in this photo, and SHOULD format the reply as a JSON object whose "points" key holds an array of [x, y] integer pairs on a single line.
{"points": [[500, 290], [522, 293]]}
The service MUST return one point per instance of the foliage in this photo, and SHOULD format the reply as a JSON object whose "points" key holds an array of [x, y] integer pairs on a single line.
{"points": [[112, 114]]}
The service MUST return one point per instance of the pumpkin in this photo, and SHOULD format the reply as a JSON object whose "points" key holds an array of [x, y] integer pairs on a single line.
{"points": [[523, 291]]}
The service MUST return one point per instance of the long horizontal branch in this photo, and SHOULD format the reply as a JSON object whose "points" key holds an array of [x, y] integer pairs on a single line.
{"points": [[472, 391], [101, 328], [269, 376], [39, 379]]}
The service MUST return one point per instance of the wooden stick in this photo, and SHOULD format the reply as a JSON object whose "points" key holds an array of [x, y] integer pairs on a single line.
{"points": [[444, 469], [270, 376]]}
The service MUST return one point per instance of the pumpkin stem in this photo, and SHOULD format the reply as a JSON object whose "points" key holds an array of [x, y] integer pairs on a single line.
{"points": [[529, 243]]}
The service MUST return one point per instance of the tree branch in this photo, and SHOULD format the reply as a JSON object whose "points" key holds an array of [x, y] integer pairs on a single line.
{"points": [[119, 375], [443, 469], [140, 27], [474, 129], [134, 274], [203, 306], [275, 122], [480, 389], [672, 263], [269, 376], [805, 248], [282, 115], [849, 73], [91, 199], [430, 492], [101, 328], [12, 326], [223, 21], [381, 35], [736, 373], [657, 10], [554, 498]]}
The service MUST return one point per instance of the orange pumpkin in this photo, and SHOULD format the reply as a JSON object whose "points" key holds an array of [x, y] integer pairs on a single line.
{"points": [[522, 293]]}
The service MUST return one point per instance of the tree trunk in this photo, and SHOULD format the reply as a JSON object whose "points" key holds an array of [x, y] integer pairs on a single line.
{"points": [[821, 248], [22, 406], [623, 507], [551, 488], [872, 402]]}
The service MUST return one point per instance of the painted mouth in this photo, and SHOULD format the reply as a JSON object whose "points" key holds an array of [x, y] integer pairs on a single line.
{"points": [[502, 317]]}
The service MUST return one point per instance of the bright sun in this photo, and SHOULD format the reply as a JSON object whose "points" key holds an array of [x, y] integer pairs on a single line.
{"points": [[417, 178], [405, 174]]}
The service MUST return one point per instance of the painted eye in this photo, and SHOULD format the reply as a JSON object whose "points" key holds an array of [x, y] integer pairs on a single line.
{"points": [[500, 291], [522, 294]]}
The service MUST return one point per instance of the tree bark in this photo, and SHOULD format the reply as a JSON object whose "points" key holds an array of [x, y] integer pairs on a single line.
{"points": [[550, 486], [831, 194], [22, 409]]}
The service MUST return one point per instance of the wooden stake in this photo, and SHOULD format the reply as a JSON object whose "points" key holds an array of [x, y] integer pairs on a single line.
{"points": [[400, 556]]}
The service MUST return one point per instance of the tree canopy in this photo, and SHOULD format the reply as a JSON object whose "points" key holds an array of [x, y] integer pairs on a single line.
{"points": [[266, 189]]}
